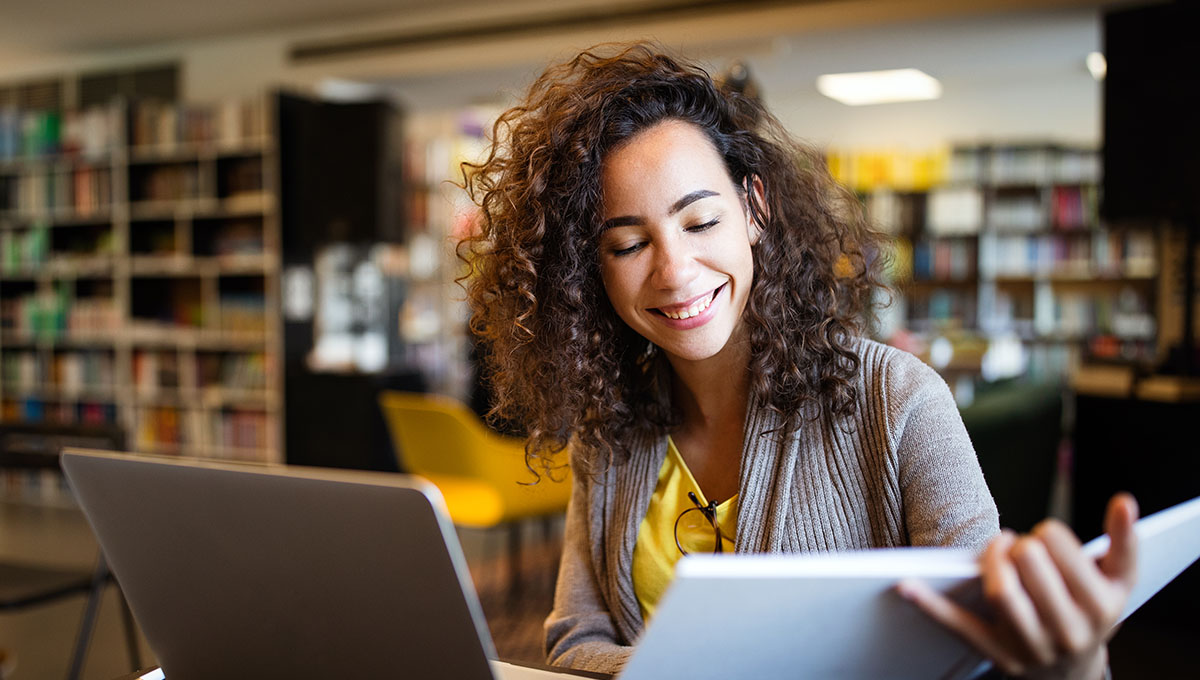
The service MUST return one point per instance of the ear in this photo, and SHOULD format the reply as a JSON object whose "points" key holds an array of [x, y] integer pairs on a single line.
{"points": [[753, 188]]}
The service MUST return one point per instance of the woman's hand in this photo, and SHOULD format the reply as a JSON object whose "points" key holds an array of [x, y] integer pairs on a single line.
{"points": [[1054, 607]]}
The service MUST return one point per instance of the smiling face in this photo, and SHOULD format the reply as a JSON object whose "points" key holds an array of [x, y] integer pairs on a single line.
{"points": [[675, 253]]}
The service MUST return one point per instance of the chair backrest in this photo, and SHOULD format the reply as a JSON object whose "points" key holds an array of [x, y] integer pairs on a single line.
{"points": [[437, 434], [1016, 430]]}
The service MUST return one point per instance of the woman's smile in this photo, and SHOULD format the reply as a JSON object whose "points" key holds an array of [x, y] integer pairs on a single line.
{"points": [[693, 313]]}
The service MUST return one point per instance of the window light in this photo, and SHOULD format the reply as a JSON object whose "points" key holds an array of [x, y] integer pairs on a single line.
{"points": [[879, 87]]}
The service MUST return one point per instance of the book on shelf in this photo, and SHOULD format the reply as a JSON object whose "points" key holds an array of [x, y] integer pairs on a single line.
{"points": [[174, 182], [232, 371], [238, 236], [77, 192], [1022, 212], [76, 373], [954, 210], [23, 250], [1074, 207], [243, 313], [35, 134], [240, 429], [153, 370], [867, 170], [167, 125], [944, 260], [1020, 165]]}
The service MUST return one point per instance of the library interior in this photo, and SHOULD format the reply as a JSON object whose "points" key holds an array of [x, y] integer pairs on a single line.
{"points": [[228, 232]]}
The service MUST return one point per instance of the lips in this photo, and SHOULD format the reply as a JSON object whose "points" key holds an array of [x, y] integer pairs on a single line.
{"points": [[691, 308]]}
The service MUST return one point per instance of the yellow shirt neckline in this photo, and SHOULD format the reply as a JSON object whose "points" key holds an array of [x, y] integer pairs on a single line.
{"points": [[655, 552]]}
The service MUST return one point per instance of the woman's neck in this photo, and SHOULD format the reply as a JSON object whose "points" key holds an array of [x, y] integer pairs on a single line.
{"points": [[711, 396], [713, 393]]}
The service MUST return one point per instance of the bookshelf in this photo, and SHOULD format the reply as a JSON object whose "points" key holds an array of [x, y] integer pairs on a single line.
{"points": [[139, 274], [433, 318], [1005, 241]]}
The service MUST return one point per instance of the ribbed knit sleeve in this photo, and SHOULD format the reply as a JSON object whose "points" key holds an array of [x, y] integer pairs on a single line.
{"points": [[945, 499], [580, 632]]}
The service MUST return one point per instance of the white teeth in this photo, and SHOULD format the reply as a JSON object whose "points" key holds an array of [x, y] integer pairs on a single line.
{"points": [[697, 307]]}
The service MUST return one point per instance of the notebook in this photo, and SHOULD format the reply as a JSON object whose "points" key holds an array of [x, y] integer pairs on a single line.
{"points": [[237, 571], [836, 615]]}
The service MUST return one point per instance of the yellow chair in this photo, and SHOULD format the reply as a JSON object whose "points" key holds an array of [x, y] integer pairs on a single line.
{"points": [[481, 474]]}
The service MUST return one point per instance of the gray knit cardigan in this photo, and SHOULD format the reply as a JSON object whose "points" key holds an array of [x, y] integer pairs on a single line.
{"points": [[900, 471]]}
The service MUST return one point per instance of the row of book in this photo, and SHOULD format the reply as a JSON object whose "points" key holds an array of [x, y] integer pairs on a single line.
{"points": [[162, 427], [231, 122], [1073, 315], [951, 259], [954, 210], [1077, 314], [1095, 254], [870, 170], [75, 372], [243, 312], [237, 237], [168, 183], [941, 308], [1075, 207], [957, 210], [1024, 165], [896, 212], [24, 370], [1056, 362], [21, 250], [240, 429], [69, 373], [31, 134], [25, 251], [1069, 208], [1017, 213], [865, 171], [241, 176], [236, 371], [153, 370], [58, 314], [89, 411], [87, 316], [83, 191]]}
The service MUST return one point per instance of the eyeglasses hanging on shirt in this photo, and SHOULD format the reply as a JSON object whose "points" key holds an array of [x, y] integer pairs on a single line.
{"points": [[700, 518]]}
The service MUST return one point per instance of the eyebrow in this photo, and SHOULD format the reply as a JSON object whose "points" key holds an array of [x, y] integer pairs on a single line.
{"points": [[631, 220]]}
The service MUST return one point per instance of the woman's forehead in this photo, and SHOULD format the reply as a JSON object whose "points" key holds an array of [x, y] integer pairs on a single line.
{"points": [[661, 164]]}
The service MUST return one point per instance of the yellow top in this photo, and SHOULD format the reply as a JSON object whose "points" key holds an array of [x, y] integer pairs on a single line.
{"points": [[655, 553]]}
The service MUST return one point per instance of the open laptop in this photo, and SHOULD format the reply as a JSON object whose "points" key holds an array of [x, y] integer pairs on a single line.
{"points": [[237, 571], [258, 572]]}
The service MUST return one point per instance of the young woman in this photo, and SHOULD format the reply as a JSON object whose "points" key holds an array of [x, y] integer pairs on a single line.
{"points": [[673, 287]]}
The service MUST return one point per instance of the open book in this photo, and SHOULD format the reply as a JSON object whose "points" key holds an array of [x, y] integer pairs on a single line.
{"points": [[837, 615]]}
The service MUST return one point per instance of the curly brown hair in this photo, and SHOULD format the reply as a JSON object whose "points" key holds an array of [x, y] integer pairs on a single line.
{"points": [[561, 361]]}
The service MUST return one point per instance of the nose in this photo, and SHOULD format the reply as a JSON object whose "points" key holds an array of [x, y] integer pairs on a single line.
{"points": [[674, 265]]}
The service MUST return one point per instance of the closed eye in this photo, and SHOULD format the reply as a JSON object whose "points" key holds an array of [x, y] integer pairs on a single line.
{"points": [[704, 227], [618, 252]]}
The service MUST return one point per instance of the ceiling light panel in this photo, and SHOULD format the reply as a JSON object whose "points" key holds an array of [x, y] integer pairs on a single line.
{"points": [[879, 87]]}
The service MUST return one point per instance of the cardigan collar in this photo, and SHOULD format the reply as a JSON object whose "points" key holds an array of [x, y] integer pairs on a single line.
{"points": [[628, 486]]}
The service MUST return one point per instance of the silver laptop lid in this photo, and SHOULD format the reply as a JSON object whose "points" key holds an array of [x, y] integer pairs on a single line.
{"points": [[272, 572]]}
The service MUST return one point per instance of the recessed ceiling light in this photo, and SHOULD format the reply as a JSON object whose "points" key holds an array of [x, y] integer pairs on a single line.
{"points": [[1097, 65], [879, 87]]}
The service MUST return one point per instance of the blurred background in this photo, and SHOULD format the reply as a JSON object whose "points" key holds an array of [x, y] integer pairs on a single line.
{"points": [[226, 232]]}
